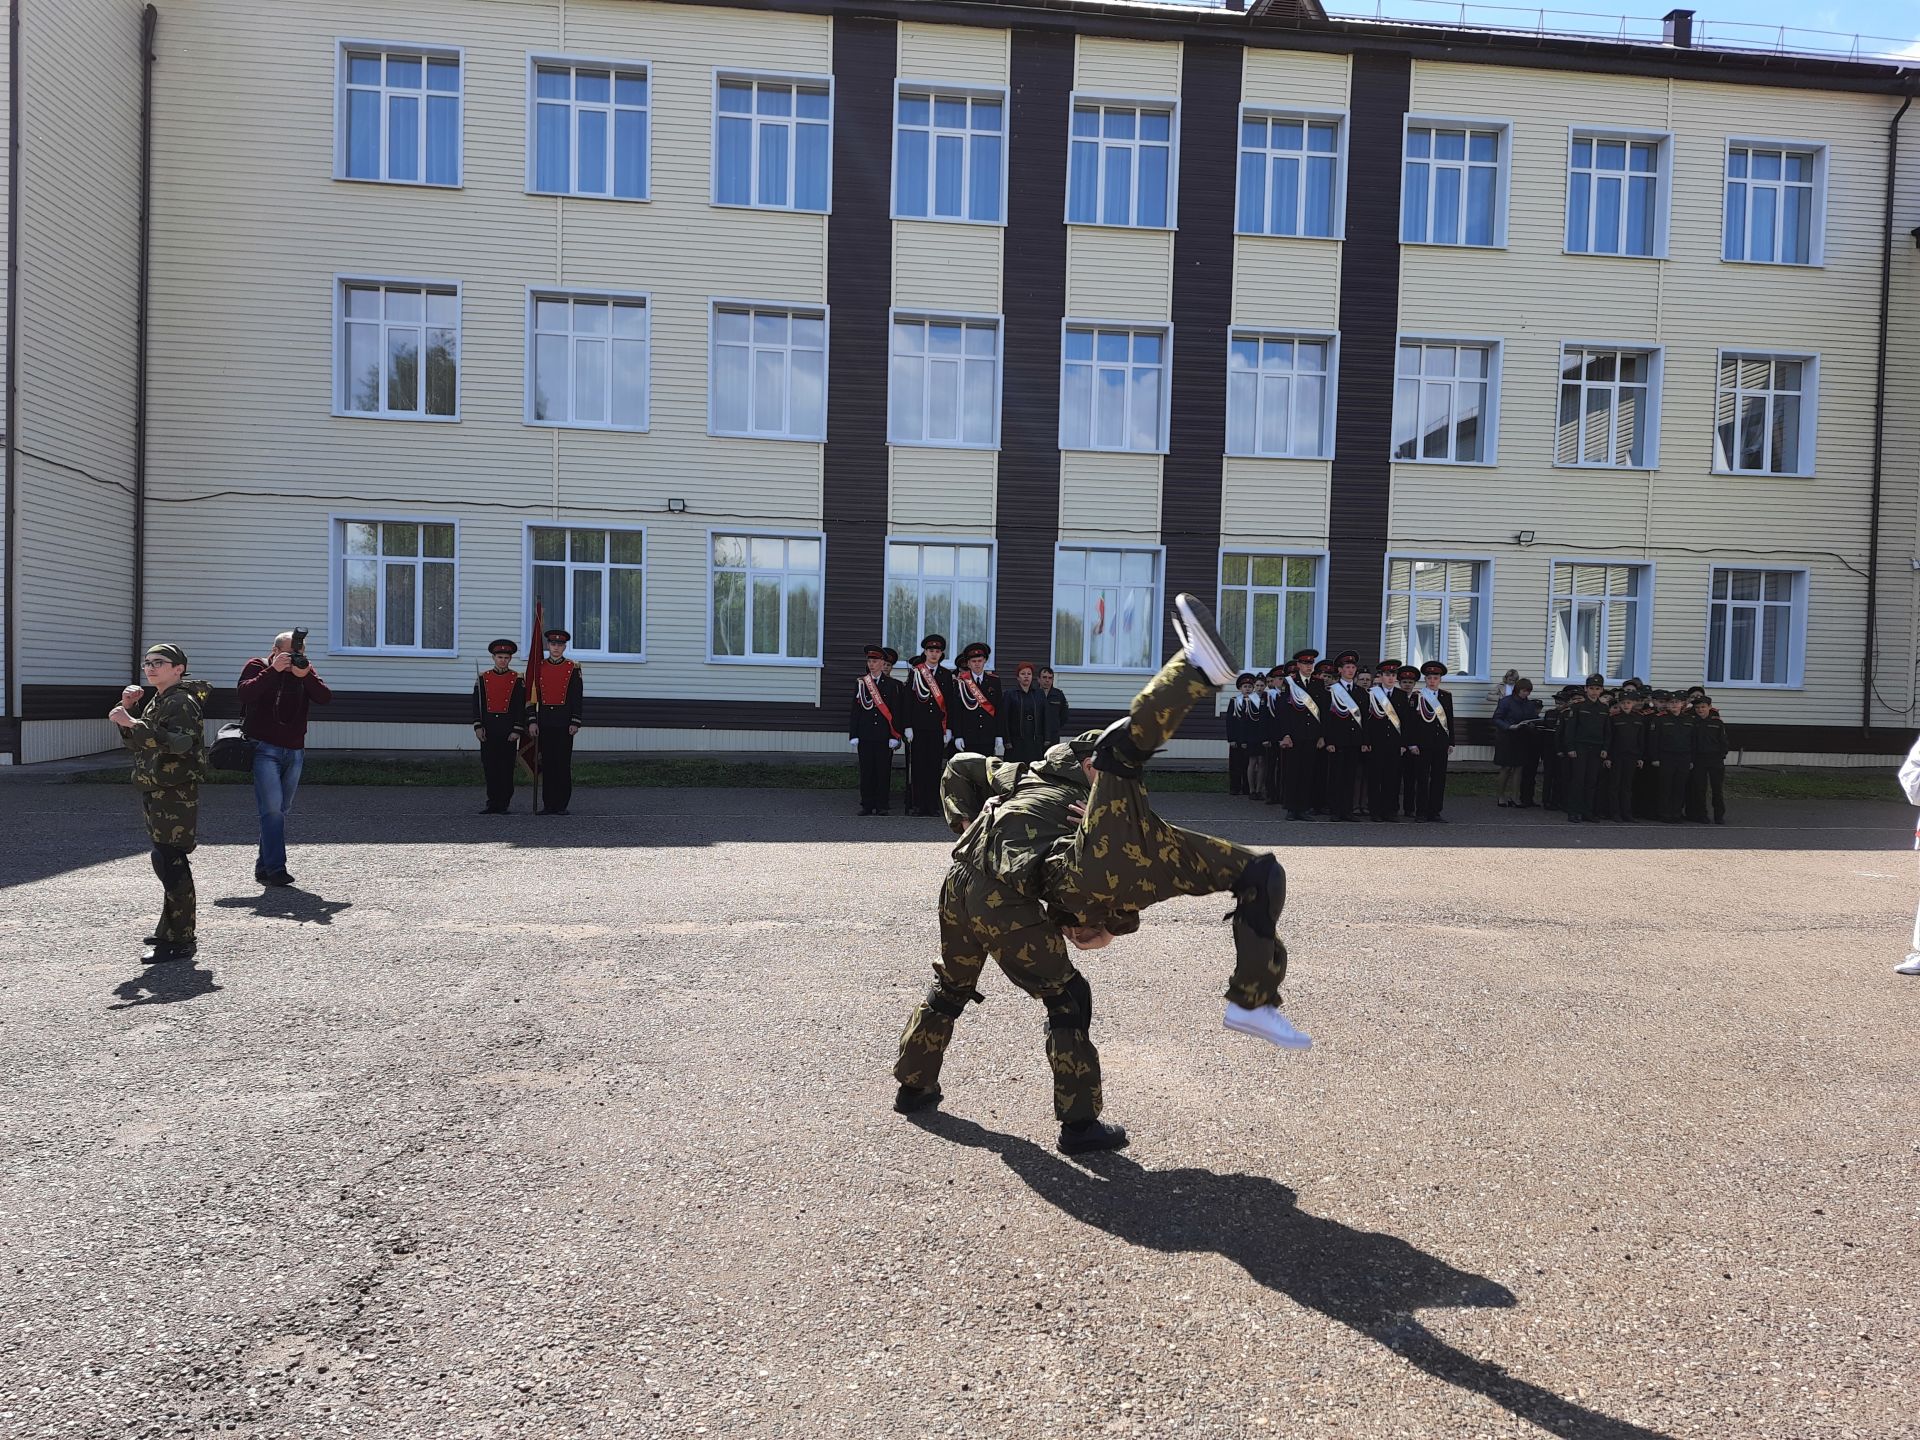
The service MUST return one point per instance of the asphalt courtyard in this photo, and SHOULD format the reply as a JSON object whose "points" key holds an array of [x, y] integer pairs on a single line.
{"points": [[545, 1128]]}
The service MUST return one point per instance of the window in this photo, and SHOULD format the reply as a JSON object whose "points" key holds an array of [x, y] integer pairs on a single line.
{"points": [[949, 156], [588, 361], [1106, 608], [1608, 402], [1279, 394], [769, 373], [1269, 606], [766, 598], [1443, 402], [1450, 189], [1763, 414], [1120, 165], [399, 115], [771, 143], [1113, 389], [1289, 174], [397, 580], [945, 386], [938, 589], [590, 130], [1437, 610], [1598, 617], [1754, 623], [1613, 195], [399, 350], [1773, 203], [593, 583]]}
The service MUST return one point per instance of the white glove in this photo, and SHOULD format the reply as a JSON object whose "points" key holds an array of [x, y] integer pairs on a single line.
{"points": [[959, 746], [893, 744], [999, 745], [946, 736], [909, 734], [853, 744]]}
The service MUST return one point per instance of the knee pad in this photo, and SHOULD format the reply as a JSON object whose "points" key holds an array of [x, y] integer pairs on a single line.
{"points": [[1072, 1008], [1116, 753], [951, 1003]]}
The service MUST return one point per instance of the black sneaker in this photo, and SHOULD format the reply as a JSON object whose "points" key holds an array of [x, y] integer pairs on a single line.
{"points": [[1085, 1136], [164, 952], [272, 877], [1194, 628], [909, 1098]]}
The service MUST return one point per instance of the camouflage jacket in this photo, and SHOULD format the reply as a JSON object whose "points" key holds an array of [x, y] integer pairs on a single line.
{"points": [[167, 738], [1032, 813]]}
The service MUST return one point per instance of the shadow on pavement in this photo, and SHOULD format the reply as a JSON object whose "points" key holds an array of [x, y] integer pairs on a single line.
{"points": [[164, 985], [1371, 1283], [287, 903]]}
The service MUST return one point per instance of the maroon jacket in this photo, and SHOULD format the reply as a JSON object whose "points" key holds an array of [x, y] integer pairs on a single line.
{"points": [[275, 703]]}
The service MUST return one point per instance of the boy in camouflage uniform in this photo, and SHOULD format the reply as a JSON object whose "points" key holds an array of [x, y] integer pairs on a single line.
{"points": [[1068, 850], [168, 743]]}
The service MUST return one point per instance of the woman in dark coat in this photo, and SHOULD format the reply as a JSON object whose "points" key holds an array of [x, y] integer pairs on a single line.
{"points": [[1510, 744], [1030, 728]]}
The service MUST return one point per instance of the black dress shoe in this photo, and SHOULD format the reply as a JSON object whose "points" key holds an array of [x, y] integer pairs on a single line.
{"points": [[910, 1098], [164, 952], [491, 810], [553, 812], [1085, 1136], [272, 877], [866, 810]]}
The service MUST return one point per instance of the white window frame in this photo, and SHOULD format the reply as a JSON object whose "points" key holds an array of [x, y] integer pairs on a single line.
{"points": [[783, 660], [1483, 610], [791, 308], [1809, 361], [1800, 605], [975, 542], [537, 293], [337, 521], [1662, 141], [1154, 618], [1643, 613], [1656, 379], [911, 316], [618, 657], [1821, 151], [535, 59], [343, 46], [1106, 100], [1133, 327], [1240, 643], [935, 89], [1331, 407], [339, 349], [1502, 181], [1495, 346], [757, 78], [1339, 198]]}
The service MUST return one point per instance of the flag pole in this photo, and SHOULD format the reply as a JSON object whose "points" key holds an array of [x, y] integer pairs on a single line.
{"points": [[531, 752]]}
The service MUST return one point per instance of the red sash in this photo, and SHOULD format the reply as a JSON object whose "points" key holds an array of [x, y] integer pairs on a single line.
{"points": [[966, 678], [876, 703], [939, 695]]}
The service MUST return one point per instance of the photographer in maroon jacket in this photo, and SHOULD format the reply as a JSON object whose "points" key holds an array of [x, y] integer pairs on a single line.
{"points": [[275, 692]]}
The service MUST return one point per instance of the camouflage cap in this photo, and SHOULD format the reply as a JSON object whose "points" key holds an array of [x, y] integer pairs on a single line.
{"points": [[172, 654]]}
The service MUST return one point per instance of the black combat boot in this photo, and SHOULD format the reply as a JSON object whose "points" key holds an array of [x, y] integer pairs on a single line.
{"points": [[910, 1098], [1082, 1137]]}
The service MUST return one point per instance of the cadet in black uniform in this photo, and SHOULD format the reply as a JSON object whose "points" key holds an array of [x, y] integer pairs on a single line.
{"points": [[1584, 731], [1302, 711], [1345, 734], [556, 720], [927, 723], [976, 723], [1432, 729], [1710, 746], [1673, 753], [1381, 741], [873, 729], [1237, 727], [499, 711], [1264, 769], [1626, 754]]}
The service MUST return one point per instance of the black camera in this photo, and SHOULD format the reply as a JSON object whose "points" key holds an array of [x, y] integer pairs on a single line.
{"points": [[299, 648]]}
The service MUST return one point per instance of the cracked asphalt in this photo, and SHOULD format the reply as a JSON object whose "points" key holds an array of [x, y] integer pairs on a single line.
{"points": [[542, 1127]]}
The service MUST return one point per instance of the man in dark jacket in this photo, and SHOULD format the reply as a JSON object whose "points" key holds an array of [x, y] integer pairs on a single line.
{"points": [[1626, 754], [1056, 703], [874, 729], [1584, 731], [499, 718], [1346, 724], [1710, 746], [977, 725], [167, 735], [1301, 706], [1028, 716], [930, 701], [275, 693], [1381, 741]]}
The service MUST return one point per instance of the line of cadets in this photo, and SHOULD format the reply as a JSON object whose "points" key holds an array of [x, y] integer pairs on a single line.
{"points": [[1338, 740], [936, 712]]}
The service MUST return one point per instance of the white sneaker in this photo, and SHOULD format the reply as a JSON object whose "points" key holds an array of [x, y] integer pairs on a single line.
{"points": [[1909, 966], [1267, 1023], [1201, 639]]}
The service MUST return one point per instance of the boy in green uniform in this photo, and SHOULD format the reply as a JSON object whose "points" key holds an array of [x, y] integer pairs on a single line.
{"points": [[168, 741], [1672, 752], [1710, 746], [1068, 850]]}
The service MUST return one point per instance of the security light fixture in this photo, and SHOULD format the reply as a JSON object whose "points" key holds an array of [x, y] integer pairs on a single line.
{"points": [[676, 507], [1525, 537]]}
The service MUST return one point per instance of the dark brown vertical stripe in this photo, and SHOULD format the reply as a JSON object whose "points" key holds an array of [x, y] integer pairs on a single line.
{"points": [[859, 292], [1027, 512], [1369, 325], [1202, 311]]}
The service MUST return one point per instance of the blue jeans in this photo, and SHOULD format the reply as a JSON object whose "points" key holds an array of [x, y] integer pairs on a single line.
{"points": [[276, 775]]}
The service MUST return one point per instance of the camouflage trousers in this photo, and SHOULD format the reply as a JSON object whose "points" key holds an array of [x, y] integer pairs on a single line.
{"points": [[982, 918], [171, 816], [1124, 858]]}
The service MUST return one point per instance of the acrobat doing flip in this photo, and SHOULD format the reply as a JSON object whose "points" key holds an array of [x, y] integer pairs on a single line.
{"points": [[1067, 850]]}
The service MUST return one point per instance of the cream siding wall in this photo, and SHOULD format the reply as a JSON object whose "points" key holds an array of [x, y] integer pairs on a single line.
{"points": [[1275, 503], [956, 54], [1534, 297], [1126, 67], [246, 407], [1288, 79], [79, 249], [1898, 667], [6, 171], [941, 492]]}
